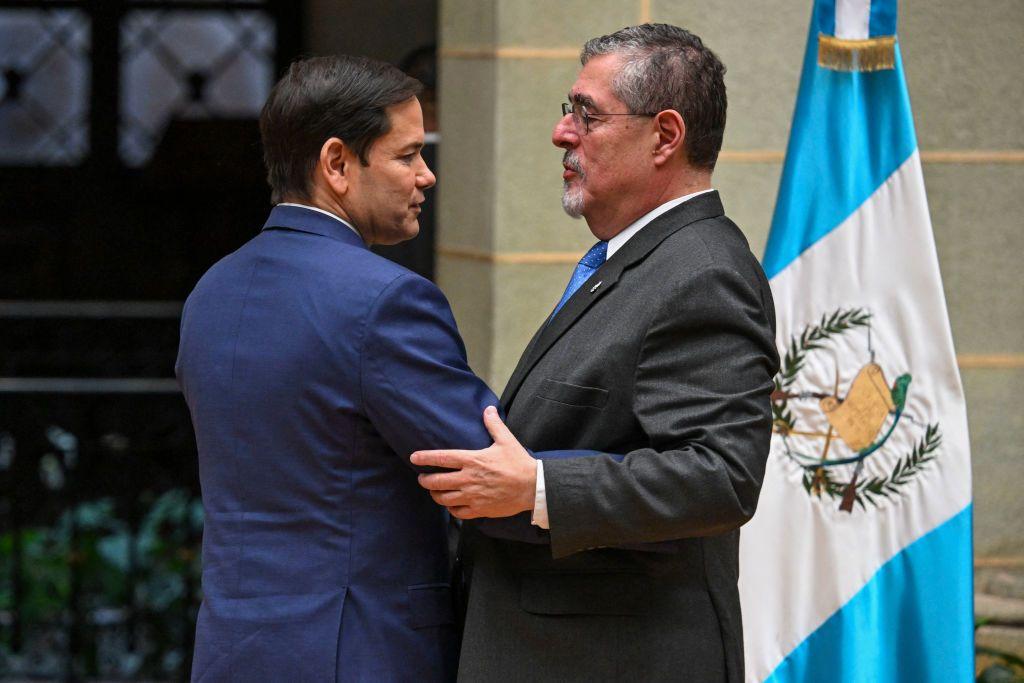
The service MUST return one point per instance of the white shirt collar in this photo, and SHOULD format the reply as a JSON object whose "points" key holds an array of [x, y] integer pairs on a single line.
{"points": [[615, 243], [326, 213]]}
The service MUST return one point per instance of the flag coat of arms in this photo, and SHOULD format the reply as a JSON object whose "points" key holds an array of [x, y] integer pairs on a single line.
{"points": [[858, 563]]}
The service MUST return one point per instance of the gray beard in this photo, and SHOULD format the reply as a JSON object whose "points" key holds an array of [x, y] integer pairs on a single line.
{"points": [[572, 200]]}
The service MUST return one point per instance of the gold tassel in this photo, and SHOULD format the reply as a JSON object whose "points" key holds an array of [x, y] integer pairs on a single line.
{"points": [[873, 54]]}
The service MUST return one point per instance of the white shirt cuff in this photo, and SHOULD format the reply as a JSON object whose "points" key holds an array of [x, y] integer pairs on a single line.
{"points": [[540, 500]]}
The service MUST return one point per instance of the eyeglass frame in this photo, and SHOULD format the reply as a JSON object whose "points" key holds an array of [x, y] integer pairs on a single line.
{"points": [[586, 116]]}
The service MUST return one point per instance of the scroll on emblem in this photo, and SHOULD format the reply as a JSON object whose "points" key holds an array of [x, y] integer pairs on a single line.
{"points": [[859, 417]]}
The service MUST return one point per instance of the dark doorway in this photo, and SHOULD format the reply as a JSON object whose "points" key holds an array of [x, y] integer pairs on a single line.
{"points": [[129, 163]]}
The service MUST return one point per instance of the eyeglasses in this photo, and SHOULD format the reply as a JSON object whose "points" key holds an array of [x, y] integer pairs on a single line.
{"points": [[581, 115]]}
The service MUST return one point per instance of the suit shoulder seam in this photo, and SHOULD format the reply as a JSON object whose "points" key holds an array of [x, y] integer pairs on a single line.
{"points": [[364, 333]]}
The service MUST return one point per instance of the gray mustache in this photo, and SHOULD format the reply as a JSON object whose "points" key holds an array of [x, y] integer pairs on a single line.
{"points": [[572, 161]]}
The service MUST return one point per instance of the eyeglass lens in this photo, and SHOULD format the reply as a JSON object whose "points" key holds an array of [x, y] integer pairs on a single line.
{"points": [[579, 114]]}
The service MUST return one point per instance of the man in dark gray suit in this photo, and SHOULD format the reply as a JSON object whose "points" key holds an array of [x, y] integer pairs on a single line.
{"points": [[660, 356]]}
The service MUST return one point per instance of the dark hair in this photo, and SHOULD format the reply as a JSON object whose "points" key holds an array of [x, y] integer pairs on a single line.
{"points": [[667, 67], [320, 98]]}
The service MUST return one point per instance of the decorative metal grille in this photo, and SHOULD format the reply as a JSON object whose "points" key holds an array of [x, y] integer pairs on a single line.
{"points": [[201, 64], [44, 87]]}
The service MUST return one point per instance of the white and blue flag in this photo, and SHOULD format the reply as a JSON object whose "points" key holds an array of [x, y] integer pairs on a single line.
{"points": [[858, 563]]}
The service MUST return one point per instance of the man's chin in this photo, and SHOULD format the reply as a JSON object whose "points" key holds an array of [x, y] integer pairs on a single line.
{"points": [[408, 232], [572, 204], [397, 236]]}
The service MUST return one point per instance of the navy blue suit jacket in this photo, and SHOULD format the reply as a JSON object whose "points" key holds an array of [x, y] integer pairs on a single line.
{"points": [[313, 368]]}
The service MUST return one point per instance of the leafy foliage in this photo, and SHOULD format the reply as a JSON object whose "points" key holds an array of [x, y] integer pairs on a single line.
{"points": [[904, 470], [782, 418], [821, 481], [812, 338], [137, 588]]}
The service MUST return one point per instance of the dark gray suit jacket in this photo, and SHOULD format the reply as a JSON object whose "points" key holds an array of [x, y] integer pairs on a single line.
{"points": [[668, 360]]}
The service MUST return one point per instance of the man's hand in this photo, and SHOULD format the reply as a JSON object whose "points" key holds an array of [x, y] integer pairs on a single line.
{"points": [[496, 482]]}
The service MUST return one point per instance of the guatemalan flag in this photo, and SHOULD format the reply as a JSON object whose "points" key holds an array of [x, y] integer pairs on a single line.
{"points": [[857, 565]]}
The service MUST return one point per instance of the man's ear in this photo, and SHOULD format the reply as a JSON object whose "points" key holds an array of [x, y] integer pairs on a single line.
{"points": [[671, 132], [335, 165]]}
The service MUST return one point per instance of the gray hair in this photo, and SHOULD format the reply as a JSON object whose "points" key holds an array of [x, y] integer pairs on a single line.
{"points": [[667, 67]]}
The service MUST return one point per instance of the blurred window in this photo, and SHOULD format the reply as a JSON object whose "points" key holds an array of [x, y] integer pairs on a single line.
{"points": [[190, 65], [44, 87], [176, 60]]}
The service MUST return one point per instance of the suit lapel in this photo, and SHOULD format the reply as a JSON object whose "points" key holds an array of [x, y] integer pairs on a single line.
{"points": [[552, 329], [604, 280], [520, 372]]}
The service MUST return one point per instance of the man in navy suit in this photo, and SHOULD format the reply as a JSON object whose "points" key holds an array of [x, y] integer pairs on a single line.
{"points": [[313, 368]]}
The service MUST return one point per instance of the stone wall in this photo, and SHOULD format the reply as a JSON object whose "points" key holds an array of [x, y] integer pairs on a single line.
{"points": [[506, 249]]}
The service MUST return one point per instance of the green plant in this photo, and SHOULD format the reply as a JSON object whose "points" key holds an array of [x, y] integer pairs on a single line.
{"points": [[133, 591]]}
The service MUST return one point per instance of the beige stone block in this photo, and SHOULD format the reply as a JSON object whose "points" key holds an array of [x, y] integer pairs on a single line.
{"points": [[976, 215], [762, 46], [524, 295], [469, 286], [998, 609], [528, 208], [466, 177], [1006, 580], [997, 440], [1001, 638], [962, 63], [498, 307], [964, 91], [748, 193], [467, 23], [546, 24]]}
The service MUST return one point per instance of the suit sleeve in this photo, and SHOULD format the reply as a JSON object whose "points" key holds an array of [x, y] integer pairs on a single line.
{"points": [[417, 388], [703, 381]]}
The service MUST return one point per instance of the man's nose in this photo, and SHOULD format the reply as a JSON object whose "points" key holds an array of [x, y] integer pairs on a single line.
{"points": [[564, 135], [425, 178]]}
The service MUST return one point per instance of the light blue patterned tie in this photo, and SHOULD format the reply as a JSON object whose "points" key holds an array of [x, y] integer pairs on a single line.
{"points": [[590, 262]]}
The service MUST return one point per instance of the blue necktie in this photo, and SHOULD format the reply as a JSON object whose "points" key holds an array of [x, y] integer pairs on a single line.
{"points": [[590, 262]]}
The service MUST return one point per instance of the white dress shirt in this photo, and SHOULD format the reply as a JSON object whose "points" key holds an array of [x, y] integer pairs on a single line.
{"points": [[540, 500], [326, 213]]}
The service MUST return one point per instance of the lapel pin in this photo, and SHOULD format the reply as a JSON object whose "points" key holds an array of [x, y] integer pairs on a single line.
{"points": [[594, 288]]}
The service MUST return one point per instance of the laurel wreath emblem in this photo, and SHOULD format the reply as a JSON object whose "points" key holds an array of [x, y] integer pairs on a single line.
{"points": [[818, 477]]}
